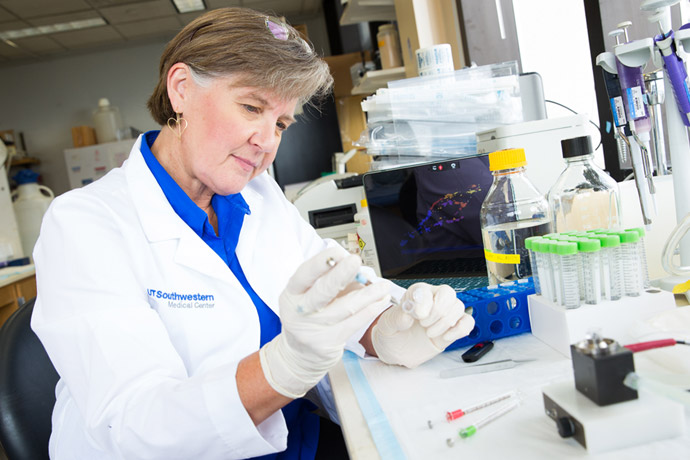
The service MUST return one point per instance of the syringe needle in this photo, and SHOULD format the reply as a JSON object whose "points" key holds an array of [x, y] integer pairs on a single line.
{"points": [[472, 429], [456, 414]]}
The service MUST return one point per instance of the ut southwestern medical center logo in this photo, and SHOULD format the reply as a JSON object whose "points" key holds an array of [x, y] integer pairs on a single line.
{"points": [[183, 300]]}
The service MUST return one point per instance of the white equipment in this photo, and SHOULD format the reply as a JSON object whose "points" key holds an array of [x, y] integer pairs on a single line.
{"points": [[601, 429], [86, 164], [330, 203], [541, 140], [9, 232], [31, 202]]}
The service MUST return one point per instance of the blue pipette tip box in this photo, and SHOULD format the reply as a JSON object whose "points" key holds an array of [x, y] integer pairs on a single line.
{"points": [[498, 311]]}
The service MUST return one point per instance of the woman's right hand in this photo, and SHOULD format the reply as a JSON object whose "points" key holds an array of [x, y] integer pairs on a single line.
{"points": [[319, 311]]}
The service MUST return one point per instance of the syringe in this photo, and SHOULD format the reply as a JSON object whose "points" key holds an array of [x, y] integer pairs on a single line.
{"points": [[472, 429], [362, 279], [456, 414]]}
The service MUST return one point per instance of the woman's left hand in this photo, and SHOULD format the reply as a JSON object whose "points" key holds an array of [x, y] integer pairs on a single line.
{"points": [[436, 319]]}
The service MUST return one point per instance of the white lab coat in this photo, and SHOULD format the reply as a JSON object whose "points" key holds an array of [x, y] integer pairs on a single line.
{"points": [[146, 324]]}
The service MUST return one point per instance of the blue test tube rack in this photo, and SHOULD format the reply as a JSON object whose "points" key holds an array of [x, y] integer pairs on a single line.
{"points": [[498, 311]]}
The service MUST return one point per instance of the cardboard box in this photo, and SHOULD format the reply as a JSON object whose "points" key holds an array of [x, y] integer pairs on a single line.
{"points": [[352, 122], [340, 69], [303, 32], [8, 136], [83, 136]]}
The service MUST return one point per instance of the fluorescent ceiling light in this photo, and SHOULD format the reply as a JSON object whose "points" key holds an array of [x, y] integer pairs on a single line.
{"points": [[187, 6], [51, 29]]}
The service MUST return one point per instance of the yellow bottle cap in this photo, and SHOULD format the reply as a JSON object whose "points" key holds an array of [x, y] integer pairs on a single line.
{"points": [[507, 159]]}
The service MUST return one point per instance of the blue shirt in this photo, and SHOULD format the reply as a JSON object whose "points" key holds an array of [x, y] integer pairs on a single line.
{"points": [[303, 426]]}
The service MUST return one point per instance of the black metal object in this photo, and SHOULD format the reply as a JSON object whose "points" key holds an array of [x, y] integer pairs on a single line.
{"points": [[597, 46], [306, 149], [568, 426], [599, 373]]}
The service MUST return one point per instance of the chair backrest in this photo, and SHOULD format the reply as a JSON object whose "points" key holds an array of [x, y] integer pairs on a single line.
{"points": [[27, 389]]}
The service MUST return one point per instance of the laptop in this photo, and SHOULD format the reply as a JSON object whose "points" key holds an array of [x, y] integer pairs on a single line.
{"points": [[425, 220]]}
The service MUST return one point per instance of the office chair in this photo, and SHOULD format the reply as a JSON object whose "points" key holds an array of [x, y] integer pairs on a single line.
{"points": [[27, 389]]}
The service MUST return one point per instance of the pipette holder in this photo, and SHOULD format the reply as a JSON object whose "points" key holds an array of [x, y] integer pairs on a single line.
{"points": [[635, 53], [559, 328], [678, 148], [498, 311]]}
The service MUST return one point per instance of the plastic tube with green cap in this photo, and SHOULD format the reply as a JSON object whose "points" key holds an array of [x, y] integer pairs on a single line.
{"points": [[570, 288], [589, 250], [612, 275], [533, 263], [631, 263], [540, 247], [555, 262], [642, 254]]}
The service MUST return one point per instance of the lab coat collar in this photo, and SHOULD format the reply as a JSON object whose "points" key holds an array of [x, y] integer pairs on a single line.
{"points": [[160, 222], [251, 225], [157, 217]]}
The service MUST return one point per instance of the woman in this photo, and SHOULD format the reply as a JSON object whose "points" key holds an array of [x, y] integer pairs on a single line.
{"points": [[160, 286]]}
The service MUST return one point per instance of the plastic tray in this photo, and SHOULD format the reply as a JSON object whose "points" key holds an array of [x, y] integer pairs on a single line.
{"points": [[498, 311]]}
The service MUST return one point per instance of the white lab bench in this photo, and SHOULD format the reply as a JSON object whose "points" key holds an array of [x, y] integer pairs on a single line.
{"points": [[408, 398]]}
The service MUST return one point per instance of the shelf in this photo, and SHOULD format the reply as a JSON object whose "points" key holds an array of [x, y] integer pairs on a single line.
{"points": [[375, 79], [24, 161], [357, 11]]}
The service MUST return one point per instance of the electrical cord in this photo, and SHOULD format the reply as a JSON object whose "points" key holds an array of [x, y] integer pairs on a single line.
{"points": [[642, 346], [568, 108]]}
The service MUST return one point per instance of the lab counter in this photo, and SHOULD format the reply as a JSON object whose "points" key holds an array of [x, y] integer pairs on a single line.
{"points": [[17, 285], [384, 410]]}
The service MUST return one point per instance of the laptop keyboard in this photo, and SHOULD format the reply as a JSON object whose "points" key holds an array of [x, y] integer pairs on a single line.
{"points": [[459, 284]]}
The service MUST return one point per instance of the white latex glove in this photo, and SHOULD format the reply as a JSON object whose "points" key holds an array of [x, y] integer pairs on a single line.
{"points": [[436, 319], [320, 308]]}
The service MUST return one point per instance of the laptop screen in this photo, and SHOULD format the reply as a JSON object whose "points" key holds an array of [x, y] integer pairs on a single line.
{"points": [[425, 218]]}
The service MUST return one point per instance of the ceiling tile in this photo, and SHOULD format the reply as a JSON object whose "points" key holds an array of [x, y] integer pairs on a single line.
{"points": [[186, 18], [87, 37], [62, 18], [274, 7], [105, 3], [39, 45], [12, 52], [13, 25], [160, 26], [213, 4], [128, 20], [33, 8], [6, 15], [138, 11]]}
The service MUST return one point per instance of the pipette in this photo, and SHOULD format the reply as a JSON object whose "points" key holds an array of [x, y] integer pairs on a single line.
{"points": [[472, 429], [607, 62], [456, 414], [633, 91], [362, 279], [673, 64]]}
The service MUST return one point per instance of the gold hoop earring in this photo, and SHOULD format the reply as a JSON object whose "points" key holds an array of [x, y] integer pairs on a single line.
{"points": [[177, 125]]}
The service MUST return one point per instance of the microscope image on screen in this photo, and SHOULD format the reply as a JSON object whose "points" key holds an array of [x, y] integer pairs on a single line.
{"points": [[426, 217]]}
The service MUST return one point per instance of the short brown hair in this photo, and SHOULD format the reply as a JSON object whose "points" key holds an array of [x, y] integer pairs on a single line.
{"points": [[237, 41]]}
